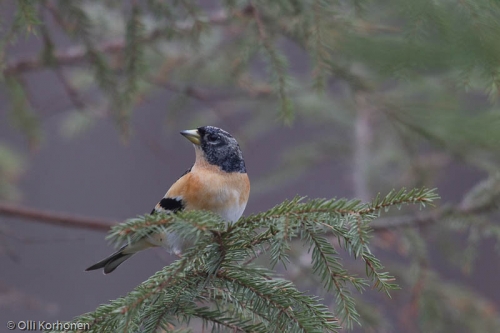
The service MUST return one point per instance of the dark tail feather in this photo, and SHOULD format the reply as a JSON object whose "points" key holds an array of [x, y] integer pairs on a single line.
{"points": [[110, 263]]}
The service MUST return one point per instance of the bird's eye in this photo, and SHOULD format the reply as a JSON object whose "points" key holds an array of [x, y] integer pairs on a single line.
{"points": [[212, 137]]}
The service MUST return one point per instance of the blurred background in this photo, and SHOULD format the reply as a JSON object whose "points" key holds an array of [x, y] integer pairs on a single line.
{"points": [[327, 99]]}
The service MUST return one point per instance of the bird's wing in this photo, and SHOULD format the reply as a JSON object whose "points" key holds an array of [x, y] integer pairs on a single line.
{"points": [[171, 203]]}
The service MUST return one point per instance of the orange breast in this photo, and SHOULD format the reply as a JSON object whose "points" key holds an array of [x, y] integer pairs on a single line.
{"points": [[209, 188]]}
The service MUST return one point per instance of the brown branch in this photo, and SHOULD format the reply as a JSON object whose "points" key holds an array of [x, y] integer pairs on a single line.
{"points": [[190, 91], [68, 57], [78, 54], [257, 254], [260, 25], [71, 91], [408, 220], [58, 219]]}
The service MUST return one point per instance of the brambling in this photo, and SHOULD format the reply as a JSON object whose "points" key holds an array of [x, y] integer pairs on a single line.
{"points": [[217, 182]]}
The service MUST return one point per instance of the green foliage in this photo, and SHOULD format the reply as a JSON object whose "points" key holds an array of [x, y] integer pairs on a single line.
{"points": [[216, 282], [427, 71], [26, 16], [344, 41]]}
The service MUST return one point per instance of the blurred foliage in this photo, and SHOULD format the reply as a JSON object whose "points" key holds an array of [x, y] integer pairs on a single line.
{"points": [[11, 168], [405, 89]]}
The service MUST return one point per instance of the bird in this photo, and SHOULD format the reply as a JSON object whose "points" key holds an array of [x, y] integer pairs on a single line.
{"points": [[217, 182]]}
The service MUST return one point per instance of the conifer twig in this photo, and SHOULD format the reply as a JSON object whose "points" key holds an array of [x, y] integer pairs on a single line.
{"points": [[249, 294], [414, 220], [78, 54]]}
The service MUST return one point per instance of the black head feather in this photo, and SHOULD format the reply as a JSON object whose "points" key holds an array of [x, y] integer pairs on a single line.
{"points": [[221, 149]]}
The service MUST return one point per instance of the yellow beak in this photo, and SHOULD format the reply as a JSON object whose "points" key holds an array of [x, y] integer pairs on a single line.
{"points": [[193, 136]]}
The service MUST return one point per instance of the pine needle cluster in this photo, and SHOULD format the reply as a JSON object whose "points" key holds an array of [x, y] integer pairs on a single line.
{"points": [[217, 281]]}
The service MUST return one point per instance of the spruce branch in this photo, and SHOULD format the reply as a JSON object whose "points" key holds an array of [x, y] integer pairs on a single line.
{"points": [[26, 17], [318, 45], [291, 310], [219, 320], [482, 199], [167, 281], [278, 65], [327, 264], [209, 281], [77, 55], [237, 308]]}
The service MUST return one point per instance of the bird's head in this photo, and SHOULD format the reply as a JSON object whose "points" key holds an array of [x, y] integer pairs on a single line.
{"points": [[217, 147]]}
